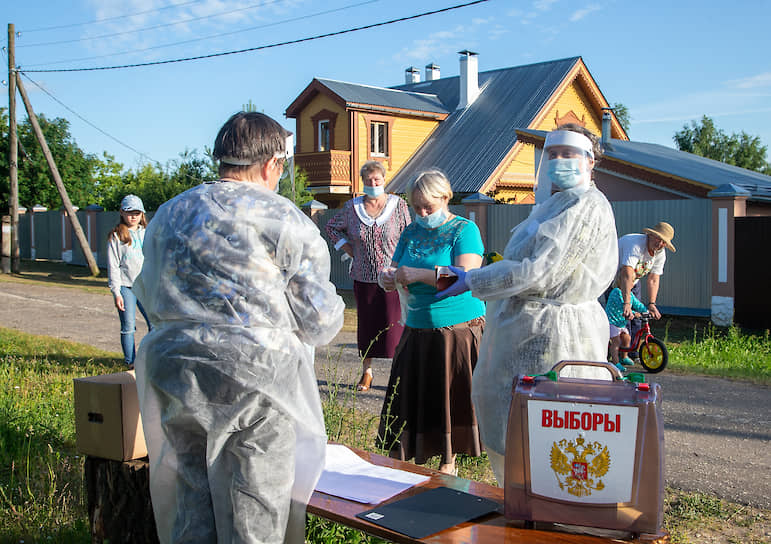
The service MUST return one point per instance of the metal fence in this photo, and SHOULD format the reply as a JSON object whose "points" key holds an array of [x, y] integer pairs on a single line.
{"points": [[685, 287]]}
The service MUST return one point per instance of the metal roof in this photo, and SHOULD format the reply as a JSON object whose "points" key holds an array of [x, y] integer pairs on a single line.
{"points": [[673, 162], [471, 143], [354, 93]]}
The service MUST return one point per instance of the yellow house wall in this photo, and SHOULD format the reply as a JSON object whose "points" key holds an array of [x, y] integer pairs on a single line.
{"points": [[575, 100], [407, 135], [307, 129]]}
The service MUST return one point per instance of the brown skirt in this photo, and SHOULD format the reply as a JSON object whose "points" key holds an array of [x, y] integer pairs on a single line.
{"points": [[428, 409], [378, 330]]}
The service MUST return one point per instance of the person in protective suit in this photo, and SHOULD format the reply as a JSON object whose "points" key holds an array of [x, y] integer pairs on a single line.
{"points": [[237, 279], [542, 296]]}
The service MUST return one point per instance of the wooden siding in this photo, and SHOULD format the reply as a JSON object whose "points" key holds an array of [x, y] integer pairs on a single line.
{"points": [[573, 99], [407, 135], [306, 128]]}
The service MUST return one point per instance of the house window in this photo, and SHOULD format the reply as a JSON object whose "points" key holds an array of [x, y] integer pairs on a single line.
{"points": [[378, 139], [324, 135]]}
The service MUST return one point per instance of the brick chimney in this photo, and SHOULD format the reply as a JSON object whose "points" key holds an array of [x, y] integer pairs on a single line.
{"points": [[432, 72], [469, 81], [412, 75]]}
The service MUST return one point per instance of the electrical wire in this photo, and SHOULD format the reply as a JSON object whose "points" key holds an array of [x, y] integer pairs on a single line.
{"points": [[127, 146], [212, 36], [65, 106], [156, 27], [261, 47], [98, 21]]}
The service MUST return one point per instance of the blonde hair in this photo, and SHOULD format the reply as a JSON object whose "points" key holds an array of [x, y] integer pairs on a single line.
{"points": [[431, 184]]}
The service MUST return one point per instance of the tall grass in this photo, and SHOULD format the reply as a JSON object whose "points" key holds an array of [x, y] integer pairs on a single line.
{"points": [[41, 474], [723, 352]]}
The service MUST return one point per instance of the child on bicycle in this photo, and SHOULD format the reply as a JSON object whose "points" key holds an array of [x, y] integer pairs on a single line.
{"points": [[619, 334]]}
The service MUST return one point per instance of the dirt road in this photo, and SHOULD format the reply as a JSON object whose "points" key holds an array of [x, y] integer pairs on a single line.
{"points": [[717, 432]]}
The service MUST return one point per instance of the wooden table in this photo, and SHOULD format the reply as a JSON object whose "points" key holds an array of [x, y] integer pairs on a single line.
{"points": [[493, 528]]}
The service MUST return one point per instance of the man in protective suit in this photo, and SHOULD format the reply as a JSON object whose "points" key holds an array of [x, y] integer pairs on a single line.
{"points": [[236, 281], [542, 296]]}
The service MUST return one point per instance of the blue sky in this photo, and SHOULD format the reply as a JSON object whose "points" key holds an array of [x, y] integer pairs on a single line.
{"points": [[668, 61]]}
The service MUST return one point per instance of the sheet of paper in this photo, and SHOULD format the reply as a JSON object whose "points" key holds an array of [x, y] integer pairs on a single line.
{"points": [[348, 476]]}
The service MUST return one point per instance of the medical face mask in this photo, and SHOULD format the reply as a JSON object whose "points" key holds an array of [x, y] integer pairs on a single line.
{"points": [[373, 191], [565, 173], [433, 220]]}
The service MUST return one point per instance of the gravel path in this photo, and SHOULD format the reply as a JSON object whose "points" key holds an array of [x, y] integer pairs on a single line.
{"points": [[717, 432]]}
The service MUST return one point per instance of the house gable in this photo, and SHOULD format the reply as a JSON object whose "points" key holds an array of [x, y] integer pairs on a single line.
{"points": [[577, 99]]}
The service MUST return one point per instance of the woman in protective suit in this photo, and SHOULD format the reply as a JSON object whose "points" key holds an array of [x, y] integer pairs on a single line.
{"points": [[237, 279], [542, 297]]}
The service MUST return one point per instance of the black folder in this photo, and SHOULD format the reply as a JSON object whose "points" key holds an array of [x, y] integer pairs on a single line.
{"points": [[429, 512]]}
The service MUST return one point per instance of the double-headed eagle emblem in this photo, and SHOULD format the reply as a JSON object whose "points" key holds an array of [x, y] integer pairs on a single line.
{"points": [[580, 474]]}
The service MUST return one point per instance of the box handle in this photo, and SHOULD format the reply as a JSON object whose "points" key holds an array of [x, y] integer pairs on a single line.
{"points": [[610, 367], [95, 417]]}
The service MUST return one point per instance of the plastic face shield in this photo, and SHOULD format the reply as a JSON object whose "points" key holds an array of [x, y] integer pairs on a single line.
{"points": [[563, 144]]}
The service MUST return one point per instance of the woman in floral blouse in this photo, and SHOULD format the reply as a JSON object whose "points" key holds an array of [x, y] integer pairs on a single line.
{"points": [[367, 229]]}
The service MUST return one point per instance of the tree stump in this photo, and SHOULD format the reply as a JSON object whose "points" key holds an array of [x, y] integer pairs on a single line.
{"points": [[119, 507]]}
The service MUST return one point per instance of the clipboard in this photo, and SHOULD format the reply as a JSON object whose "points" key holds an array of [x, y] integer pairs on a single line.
{"points": [[429, 512]]}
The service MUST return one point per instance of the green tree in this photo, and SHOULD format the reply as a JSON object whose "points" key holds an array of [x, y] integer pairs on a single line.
{"points": [[622, 114], [301, 194], [77, 168], [705, 139], [156, 183]]}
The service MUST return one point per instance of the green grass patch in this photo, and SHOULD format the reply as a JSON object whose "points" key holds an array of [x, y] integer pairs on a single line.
{"points": [[729, 353], [41, 474], [692, 518]]}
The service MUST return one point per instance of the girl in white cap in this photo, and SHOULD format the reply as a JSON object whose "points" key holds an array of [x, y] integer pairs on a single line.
{"points": [[124, 262]]}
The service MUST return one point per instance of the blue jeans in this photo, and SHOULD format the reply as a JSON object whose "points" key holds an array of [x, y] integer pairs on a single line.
{"points": [[128, 323]]}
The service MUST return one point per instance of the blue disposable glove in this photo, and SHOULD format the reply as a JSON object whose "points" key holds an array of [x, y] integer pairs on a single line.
{"points": [[456, 288]]}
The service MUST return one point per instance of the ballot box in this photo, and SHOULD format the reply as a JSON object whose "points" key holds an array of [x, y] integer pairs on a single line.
{"points": [[586, 452]]}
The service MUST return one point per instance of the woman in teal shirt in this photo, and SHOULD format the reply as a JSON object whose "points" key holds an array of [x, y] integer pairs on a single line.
{"points": [[428, 409]]}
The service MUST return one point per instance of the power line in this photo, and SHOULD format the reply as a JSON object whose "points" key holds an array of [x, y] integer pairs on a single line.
{"points": [[156, 27], [289, 42], [65, 106], [212, 36], [127, 146], [97, 21]]}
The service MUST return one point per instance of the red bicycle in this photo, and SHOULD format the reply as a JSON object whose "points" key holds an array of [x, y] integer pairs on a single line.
{"points": [[653, 352]]}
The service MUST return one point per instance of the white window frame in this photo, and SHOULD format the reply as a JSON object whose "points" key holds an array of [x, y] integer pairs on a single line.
{"points": [[322, 124], [378, 148]]}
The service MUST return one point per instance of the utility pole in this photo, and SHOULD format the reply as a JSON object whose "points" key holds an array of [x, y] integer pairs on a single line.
{"points": [[58, 180], [13, 153]]}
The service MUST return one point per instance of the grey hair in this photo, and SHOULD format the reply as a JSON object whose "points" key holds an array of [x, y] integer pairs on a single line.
{"points": [[251, 137], [370, 166], [431, 184]]}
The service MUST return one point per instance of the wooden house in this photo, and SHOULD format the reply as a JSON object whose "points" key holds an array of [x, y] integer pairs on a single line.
{"points": [[464, 125]]}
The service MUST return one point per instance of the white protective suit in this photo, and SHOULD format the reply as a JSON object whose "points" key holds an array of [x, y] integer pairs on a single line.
{"points": [[236, 279], [542, 303]]}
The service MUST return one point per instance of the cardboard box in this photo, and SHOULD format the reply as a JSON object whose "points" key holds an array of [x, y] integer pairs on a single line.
{"points": [[107, 420]]}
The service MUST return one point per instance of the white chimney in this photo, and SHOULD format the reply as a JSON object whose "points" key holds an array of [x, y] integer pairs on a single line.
{"points": [[411, 75], [606, 122], [469, 83], [432, 72]]}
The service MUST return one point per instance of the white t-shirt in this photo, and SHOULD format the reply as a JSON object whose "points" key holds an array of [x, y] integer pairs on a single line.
{"points": [[633, 252]]}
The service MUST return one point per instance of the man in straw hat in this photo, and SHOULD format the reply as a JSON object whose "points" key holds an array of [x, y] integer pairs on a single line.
{"points": [[643, 255]]}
